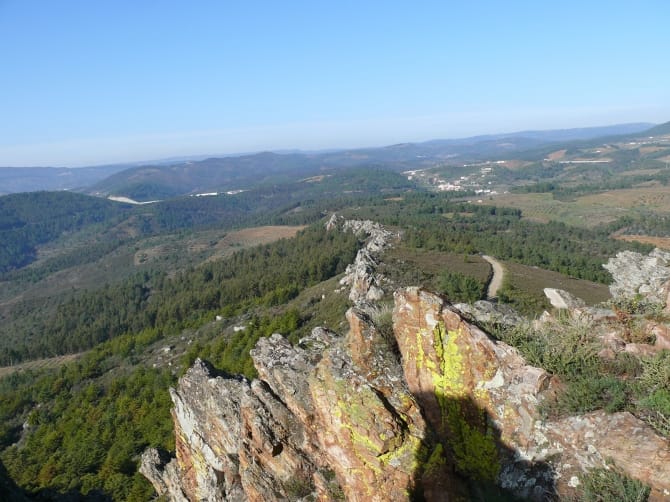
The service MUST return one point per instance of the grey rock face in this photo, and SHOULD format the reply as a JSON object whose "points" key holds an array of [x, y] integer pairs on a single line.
{"points": [[484, 312], [634, 274], [562, 299], [361, 276]]}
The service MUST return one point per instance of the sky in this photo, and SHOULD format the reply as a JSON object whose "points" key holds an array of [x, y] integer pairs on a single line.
{"points": [[97, 82]]}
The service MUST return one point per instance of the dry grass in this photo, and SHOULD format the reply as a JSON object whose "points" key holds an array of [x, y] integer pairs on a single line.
{"points": [[641, 172], [655, 198], [557, 155], [316, 179], [250, 237], [542, 207], [533, 280], [659, 242], [215, 242], [650, 149]]}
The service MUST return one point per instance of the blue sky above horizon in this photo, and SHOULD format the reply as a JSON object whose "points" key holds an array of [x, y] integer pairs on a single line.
{"points": [[87, 83]]}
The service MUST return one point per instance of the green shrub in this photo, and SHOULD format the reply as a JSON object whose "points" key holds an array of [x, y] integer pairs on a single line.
{"points": [[565, 347], [382, 317], [590, 393], [653, 391], [460, 287], [656, 372], [637, 305], [609, 485]]}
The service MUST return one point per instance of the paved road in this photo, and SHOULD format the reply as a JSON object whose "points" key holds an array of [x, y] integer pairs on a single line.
{"points": [[497, 279]]}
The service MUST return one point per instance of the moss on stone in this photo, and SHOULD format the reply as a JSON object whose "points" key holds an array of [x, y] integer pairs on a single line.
{"points": [[436, 461]]}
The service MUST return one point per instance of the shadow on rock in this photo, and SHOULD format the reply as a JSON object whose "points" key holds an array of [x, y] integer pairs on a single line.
{"points": [[464, 458]]}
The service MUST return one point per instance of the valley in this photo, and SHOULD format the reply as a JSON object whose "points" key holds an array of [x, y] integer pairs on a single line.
{"points": [[104, 305]]}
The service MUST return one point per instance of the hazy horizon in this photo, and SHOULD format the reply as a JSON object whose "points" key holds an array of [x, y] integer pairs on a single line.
{"points": [[203, 155]]}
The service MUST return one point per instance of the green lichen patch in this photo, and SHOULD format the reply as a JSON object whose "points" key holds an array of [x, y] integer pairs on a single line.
{"points": [[469, 435]]}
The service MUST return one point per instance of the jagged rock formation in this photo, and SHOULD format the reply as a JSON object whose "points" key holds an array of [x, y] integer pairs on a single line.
{"points": [[636, 274], [375, 417], [341, 415], [361, 277]]}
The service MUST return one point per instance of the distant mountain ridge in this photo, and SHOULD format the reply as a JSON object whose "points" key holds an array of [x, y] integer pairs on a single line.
{"points": [[32, 179], [165, 179], [233, 173]]}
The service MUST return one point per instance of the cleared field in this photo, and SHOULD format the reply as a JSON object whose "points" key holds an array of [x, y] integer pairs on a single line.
{"points": [[214, 243], [654, 198], [659, 242], [557, 155], [40, 364], [249, 237], [542, 207]]}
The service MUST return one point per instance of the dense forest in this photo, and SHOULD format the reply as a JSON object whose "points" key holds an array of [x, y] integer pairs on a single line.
{"points": [[113, 414], [430, 221], [27, 220]]}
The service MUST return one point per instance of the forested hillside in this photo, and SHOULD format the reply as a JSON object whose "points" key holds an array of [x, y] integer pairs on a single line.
{"points": [[28, 220], [92, 225]]}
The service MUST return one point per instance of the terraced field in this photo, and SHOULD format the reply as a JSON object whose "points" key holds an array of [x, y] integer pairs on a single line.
{"points": [[588, 210], [39, 364]]}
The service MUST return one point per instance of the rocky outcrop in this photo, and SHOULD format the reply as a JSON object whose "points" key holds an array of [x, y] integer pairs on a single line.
{"points": [[484, 312], [361, 277], [637, 274], [344, 417], [597, 439], [316, 422]]}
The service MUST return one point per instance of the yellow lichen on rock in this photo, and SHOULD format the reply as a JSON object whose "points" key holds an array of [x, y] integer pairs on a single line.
{"points": [[469, 434]]}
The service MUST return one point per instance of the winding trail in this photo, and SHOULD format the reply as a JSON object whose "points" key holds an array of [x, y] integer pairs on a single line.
{"points": [[497, 279]]}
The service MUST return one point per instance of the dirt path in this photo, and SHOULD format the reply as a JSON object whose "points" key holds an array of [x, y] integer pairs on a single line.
{"points": [[497, 279]]}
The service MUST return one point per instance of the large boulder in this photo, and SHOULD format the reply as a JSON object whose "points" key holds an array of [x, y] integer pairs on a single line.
{"points": [[636, 274]]}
